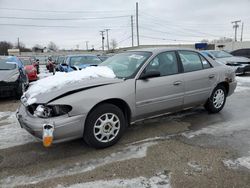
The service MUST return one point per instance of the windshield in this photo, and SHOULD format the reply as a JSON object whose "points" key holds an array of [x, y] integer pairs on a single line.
{"points": [[126, 65], [25, 61], [6, 64], [220, 54], [83, 60]]}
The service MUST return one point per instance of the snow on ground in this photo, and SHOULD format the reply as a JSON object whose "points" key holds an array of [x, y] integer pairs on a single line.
{"points": [[243, 79], [11, 134], [160, 180], [130, 152], [220, 129], [240, 162], [243, 84], [60, 79]]}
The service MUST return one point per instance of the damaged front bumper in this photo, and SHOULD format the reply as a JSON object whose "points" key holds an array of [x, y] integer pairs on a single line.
{"points": [[65, 127]]}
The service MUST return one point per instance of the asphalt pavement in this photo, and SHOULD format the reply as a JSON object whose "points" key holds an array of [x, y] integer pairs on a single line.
{"points": [[187, 149]]}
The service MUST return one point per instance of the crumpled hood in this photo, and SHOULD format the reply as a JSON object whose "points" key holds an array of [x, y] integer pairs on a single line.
{"points": [[6, 74], [234, 59], [69, 89], [49, 88]]}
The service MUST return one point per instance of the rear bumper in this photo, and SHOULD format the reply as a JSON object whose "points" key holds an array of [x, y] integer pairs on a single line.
{"points": [[66, 128], [8, 88]]}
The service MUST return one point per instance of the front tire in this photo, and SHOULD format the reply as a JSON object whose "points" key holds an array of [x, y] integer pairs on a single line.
{"points": [[217, 100], [104, 126]]}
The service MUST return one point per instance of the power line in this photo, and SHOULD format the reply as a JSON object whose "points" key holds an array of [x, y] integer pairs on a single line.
{"points": [[62, 19], [64, 11], [123, 40], [175, 40], [178, 26], [58, 26]]}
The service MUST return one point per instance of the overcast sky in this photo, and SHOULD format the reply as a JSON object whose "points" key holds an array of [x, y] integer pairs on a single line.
{"points": [[160, 21]]}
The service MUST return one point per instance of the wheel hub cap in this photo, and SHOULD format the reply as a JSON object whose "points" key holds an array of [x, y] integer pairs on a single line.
{"points": [[106, 127], [218, 98]]}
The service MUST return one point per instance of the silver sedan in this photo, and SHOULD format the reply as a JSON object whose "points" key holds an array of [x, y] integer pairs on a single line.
{"points": [[147, 83]]}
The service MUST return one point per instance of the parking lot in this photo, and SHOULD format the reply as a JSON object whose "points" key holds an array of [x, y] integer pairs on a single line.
{"points": [[187, 149]]}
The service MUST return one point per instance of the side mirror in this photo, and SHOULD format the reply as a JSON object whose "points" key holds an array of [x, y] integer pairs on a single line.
{"points": [[150, 74]]}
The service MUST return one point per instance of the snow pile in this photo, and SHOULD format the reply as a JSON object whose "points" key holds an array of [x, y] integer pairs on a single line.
{"points": [[240, 162], [158, 181], [62, 79]]}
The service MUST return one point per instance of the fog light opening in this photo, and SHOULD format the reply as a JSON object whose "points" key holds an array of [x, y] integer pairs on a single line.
{"points": [[48, 130]]}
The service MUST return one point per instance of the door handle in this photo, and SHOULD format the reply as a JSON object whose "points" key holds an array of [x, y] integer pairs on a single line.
{"points": [[177, 83], [211, 76]]}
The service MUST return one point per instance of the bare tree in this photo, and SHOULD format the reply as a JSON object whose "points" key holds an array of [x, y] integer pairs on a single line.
{"points": [[37, 47], [4, 46], [21, 46], [113, 44], [52, 46]]}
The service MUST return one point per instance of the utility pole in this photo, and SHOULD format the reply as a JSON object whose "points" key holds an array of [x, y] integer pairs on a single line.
{"points": [[102, 33], [137, 25], [18, 46], [235, 26], [87, 48], [107, 32], [241, 37], [132, 30]]}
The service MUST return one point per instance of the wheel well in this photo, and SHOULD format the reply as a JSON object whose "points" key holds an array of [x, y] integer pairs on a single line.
{"points": [[226, 85], [120, 104]]}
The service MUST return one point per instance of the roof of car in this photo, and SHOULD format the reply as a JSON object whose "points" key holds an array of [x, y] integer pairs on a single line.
{"points": [[77, 55], [160, 49]]}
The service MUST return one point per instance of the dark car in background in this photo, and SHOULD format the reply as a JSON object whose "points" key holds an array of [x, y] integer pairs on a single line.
{"points": [[13, 78], [244, 52], [241, 65], [78, 62], [29, 67]]}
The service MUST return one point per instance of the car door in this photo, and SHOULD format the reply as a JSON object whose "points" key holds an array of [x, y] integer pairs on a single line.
{"points": [[199, 77], [160, 94]]}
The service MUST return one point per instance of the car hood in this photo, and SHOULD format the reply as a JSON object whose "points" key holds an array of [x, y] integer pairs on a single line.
{"points": [[236, 59], [50, 96], [6, 74]]}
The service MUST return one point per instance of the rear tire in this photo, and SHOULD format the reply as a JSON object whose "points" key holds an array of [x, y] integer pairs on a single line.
{"points": [[217, 100], [104, 126]]}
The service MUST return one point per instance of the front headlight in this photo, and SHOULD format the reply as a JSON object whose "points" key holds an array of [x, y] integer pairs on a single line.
{"points": [[43, 111], [13, 78]]}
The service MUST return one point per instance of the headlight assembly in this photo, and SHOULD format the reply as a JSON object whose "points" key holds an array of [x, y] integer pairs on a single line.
{"points": [[43, 111], [231, 63]]}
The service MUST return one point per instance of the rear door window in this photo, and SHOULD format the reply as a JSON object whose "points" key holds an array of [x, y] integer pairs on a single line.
{"points": [[191, 61]]}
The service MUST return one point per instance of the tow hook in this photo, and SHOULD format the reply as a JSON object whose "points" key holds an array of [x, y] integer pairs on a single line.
{"points": [[48, 130]]}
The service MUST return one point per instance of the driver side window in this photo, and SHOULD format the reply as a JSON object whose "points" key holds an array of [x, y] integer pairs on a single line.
{"points": [[165, 63]]}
